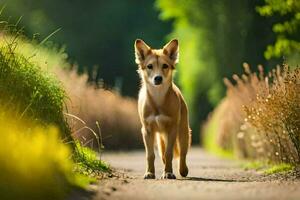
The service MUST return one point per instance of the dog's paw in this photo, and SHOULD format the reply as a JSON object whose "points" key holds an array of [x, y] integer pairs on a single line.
{"points": [[168, 175], [149, 175], [183, 171]]}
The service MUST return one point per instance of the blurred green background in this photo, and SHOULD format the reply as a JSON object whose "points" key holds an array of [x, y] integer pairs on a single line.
{"points": [[216, 37]]}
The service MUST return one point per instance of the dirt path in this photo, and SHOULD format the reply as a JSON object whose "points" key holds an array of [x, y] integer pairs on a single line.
{"points": [[209, 178]]}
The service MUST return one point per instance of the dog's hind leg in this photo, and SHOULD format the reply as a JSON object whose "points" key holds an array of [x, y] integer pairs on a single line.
{"points": [[184, 140], [148, 138]]}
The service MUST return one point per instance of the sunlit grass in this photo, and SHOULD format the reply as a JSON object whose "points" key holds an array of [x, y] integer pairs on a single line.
{"points": [[33, 92], [87, 161], [47, 56], [267, 167], [35, 164], [279, 168]]}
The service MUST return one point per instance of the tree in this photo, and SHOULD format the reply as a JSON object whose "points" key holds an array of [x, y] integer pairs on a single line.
{"points": [[286, 14]]}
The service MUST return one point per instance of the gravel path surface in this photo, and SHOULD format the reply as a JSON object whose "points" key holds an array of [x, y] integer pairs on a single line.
{"points": [[209, 178]]}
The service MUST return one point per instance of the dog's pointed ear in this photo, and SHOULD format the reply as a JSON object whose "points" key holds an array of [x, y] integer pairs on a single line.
{"points": [[141, 50], [172, 50]]}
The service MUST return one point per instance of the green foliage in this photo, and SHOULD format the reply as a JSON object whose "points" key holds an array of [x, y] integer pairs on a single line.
{"points": [[286, 27], [32, 92], [268, 168], [87, 161], [35, 164], [279, 168]]}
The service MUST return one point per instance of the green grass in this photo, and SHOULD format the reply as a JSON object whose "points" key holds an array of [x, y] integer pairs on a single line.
{"points": [[279, 168], [46, 56], [268, 168], [33, 93], [87, 162]]}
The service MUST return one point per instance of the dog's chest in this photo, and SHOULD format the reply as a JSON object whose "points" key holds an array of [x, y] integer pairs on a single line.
{"points": [[159, 120], [158, 95]]}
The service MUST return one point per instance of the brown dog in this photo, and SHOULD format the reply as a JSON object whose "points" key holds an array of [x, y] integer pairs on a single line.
{"points": [[162, 109]]}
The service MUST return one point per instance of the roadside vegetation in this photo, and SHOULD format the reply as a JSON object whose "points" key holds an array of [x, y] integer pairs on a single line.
{"points": [[40, 158], [259, 117], [35, 164], [113, 116], [92, 112], [30, 91]]}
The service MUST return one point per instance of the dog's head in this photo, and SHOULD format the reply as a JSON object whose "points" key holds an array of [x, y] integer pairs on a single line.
{"points": [[156, 65]]}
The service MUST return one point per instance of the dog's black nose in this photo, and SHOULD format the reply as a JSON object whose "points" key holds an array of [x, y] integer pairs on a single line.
{"points": [[158, 80]]}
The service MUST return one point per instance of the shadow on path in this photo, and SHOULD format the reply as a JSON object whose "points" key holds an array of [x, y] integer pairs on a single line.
{"points": [[212, 179]]}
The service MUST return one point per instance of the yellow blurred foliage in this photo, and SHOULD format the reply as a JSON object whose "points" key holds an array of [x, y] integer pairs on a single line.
{"points": [[34, 163]]}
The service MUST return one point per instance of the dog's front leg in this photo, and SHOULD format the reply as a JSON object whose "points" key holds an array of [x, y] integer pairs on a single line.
{"points": [[171, 138], [148, 138]]}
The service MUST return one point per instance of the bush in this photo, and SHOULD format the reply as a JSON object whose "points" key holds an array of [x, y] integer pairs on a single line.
{"points": [[229, 116], [117, 115], [275, 115], [259, 117]]}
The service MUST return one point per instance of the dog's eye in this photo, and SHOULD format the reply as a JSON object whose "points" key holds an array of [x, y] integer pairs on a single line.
{"points": [[150, 66], [165, 66]]}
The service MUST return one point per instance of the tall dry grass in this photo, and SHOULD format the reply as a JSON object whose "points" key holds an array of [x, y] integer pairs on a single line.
{"points": [[259, 117], [275, 114], [117, 116]]}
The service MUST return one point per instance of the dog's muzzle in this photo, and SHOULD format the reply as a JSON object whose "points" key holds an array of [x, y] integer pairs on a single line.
{"points": [[158, 80]]}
